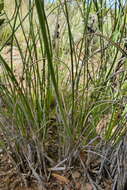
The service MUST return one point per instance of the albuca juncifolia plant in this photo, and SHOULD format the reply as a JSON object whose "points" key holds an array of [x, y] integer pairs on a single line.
{"points": [[70, 92]]}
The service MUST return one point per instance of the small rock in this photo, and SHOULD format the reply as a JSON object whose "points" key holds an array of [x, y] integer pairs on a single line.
{"points": [[1, 150]]}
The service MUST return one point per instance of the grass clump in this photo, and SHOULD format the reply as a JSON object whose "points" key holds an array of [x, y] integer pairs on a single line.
{"points": [[69, 97]]}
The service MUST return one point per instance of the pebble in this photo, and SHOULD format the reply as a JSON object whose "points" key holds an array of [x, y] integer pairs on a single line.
{"points": [[1, 150]]}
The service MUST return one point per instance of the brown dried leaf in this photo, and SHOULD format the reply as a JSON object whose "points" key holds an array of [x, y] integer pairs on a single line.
{"points": [[61, 178], [83, 156]]}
